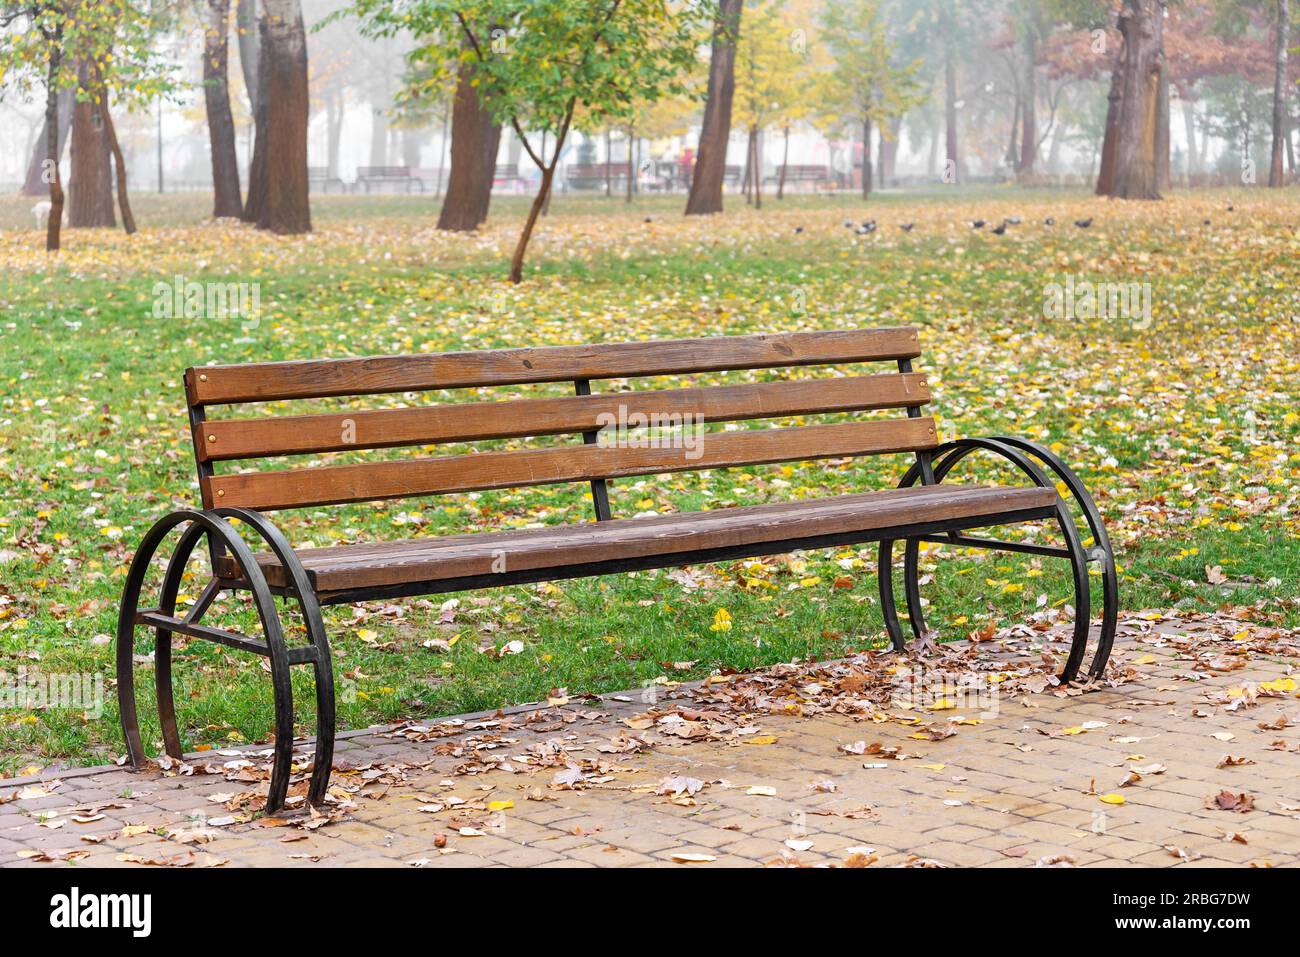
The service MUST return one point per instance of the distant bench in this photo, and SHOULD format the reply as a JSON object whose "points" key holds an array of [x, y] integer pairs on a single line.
{"points": [[320, 176], [592, 175], [388, 174], [800, 173], [507, 174]]}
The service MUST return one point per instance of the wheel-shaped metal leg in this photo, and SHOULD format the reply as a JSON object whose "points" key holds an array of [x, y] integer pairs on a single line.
{"points": [[165, 623], [1018, 452]]}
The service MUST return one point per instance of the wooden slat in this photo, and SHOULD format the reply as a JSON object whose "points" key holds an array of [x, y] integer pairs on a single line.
{"points": [[296, 488], [471, 421], [381, 564], [268, 381]]}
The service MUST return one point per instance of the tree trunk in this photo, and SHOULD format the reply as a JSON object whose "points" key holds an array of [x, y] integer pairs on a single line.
{"points": [[36, 183], [226, 200], [747, 180], [785, 162], [757, 166], [334, 134], [55, 221], [1136, 166], [1280, 133], [609, 164], [711, 157], [1164, 145], [1189, 126], [542, 198], [288, 209], [255, 201], [378, 135], [411, 143], [951, 154], [866, 156], [90, 184], [442, 151], [475, 137], [1028, 117], [119, 164], [889, 151], [249, 33], [631, 163], [1110, 138]]}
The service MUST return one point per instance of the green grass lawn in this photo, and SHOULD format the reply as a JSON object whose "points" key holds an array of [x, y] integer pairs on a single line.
{"points": [[1187, 428]]}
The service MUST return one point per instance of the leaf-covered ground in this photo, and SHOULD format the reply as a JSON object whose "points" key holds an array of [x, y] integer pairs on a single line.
{"points": [[1186, 427]]}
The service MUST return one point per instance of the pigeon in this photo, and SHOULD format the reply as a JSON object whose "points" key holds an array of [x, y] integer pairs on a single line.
{"points": [[1083, 223], [1205, 222], [649, 220], [1049, 221], [848, 224], [798, 229], [1000, 228], [1014, 220], [865, 230], [978, 224], [906, 227], [1231, 207]]}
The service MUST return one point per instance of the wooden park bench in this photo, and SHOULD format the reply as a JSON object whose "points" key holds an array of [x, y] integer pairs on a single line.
{"points": [[925, 507], [595, 175], [397, 175], [320, 176], [801, 173]]}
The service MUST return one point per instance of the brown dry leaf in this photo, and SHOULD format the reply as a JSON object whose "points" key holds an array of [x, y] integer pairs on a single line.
{"points": [[1227, 801], [680, 784], [1230, 761], [859, 859]]}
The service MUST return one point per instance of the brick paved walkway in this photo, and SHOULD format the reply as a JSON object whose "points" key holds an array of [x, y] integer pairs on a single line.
{"points": [[1034, 783]]}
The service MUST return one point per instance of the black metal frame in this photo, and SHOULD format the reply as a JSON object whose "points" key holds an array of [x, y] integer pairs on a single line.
{"points": [[931, 467], [214, 525], [1022, 454]]}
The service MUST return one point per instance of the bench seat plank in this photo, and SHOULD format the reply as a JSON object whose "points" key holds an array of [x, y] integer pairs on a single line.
{"points": [[384, 564]]}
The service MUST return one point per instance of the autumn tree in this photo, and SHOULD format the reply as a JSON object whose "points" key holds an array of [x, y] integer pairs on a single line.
{"points": [[864, 83], [537, 65], [96, 49], [770, 82]]}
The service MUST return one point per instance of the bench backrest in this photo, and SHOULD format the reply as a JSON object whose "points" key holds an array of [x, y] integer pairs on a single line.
{"points": [[383, 172], [462, 422]]}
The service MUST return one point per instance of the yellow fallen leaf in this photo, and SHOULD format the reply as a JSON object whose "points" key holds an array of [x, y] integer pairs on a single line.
{"points": [[933, 767], [762, 739], [500, 805], [1112, 798]]}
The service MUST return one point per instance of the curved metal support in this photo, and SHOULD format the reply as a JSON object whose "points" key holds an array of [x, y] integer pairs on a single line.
{"points": [[1102, 549], [1018, 452], [216, 527], [323, 759]]}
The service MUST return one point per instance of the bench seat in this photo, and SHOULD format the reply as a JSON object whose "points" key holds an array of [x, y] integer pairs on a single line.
{"points": [[653, 541]]}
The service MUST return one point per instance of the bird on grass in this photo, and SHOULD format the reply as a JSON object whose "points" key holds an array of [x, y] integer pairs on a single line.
{"points": [[1049, 221], [1083, 223], [1000, 228], [906, 227], [1013, 221], [798, 229], [978, 224]]}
